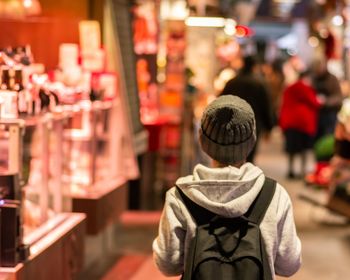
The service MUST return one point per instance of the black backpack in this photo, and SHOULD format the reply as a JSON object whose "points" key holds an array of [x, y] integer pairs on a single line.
{"points": [[229, 248]]}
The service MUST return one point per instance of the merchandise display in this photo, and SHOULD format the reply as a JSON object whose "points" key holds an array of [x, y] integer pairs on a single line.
{"points": [[100, 115], [42, 166], [172, 98], [11, 235], [86, 143], [11, 196], [29, 136], [56, 139], [145, 38], [68, 120]]}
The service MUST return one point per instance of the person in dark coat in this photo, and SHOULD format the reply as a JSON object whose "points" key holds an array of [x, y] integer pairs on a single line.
{"points": [[298, 120], [328, 88], [248, 86]]}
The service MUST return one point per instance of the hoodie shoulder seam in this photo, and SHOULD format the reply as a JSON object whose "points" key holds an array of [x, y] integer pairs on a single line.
{"points": [[173, 194]]}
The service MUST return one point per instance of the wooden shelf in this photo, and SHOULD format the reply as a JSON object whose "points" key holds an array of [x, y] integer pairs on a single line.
{"points": [[339, 206], [321, 198], [103, 205], [56, 256]]}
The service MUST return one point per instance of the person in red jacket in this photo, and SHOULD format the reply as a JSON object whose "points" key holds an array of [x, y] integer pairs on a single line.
{"points": [[298, 120]]}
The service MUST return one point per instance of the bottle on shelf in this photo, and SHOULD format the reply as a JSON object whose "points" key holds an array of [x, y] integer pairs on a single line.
{"points": [[5, 77]]}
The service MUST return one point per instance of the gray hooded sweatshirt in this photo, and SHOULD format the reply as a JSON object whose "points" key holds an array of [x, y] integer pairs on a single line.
{"points": [[228, 192]]}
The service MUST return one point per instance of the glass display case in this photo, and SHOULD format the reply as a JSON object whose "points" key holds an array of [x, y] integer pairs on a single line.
{"points": [[11, 132], [32, 196], [63, 203], [98, 143], [87, 138], [41, 167], [34, 204], [11, 205]]}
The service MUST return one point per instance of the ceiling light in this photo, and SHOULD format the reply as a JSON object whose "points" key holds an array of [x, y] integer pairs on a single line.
{"points": [[32, 7], [337, 20], [27, 3], [230, 27], [205, 21]]}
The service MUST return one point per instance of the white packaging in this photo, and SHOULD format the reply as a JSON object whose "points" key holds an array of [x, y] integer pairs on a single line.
{"points": [[89, 35], [108, 83], [94, 61], [8, 104], [68, 55]]}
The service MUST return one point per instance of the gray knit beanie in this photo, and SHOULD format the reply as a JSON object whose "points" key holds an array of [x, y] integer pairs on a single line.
{"points": [[228, 132]]}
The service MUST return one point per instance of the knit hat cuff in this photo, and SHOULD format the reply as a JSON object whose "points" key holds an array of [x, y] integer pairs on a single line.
{"points": [[227, 154]]}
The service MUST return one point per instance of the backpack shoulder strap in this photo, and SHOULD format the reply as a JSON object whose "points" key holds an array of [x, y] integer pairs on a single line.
{"points": [[201, 215], [257, 210]]}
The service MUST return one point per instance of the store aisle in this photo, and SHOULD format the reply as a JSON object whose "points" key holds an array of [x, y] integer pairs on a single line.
{"points": [[325, 237], [136, 233]]}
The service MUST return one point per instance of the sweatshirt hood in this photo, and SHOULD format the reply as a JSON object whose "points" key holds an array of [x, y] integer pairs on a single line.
{"points": [[227, 191]]}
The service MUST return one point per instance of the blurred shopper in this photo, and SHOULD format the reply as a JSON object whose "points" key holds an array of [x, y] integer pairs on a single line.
{"points": [[276, 82], [252, 89], [328, 88], [293, 66], [298, 120], [228, 189]]}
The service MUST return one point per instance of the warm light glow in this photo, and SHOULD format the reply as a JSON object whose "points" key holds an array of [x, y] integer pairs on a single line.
{"points": [[27, 3], [205, 21], [313, 42], [176, 10], [230, 27], [161, 77], [161, 62], [31, 7], [12, 9]]}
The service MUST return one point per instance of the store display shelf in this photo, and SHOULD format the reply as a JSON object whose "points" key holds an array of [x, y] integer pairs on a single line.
{"points": [[339, 205], [314, 197], [103, 204], [12, 121], [100, 189], [322, 199], [35, 120], [77, 135], [35, 235], [57, 255]]}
